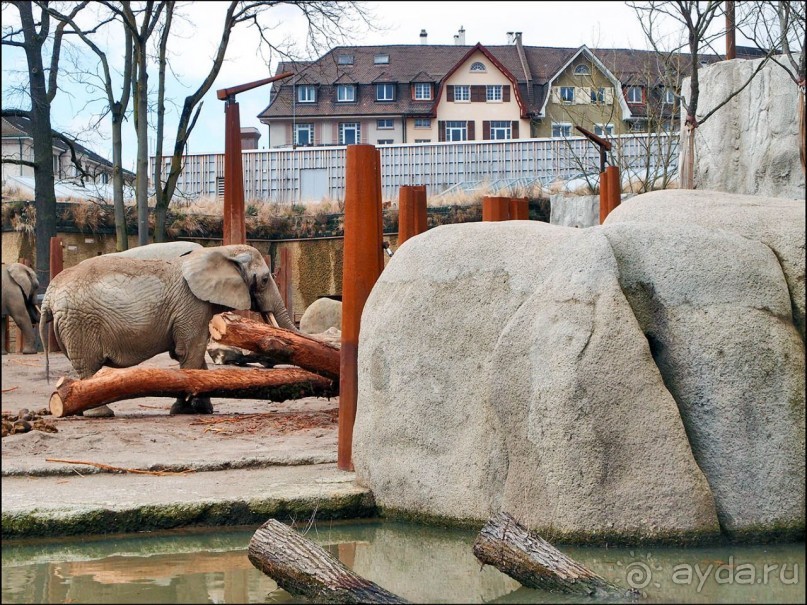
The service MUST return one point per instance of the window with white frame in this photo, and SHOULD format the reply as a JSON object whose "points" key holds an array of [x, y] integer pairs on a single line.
{"points": [[561, 129], [385, 141], [567, 94], [423, 91], [604, 130], [344, 59], [669, 96], [634, 94], [582, 70], [385, 92], [494, 93], [598, 95], [501, 130], [423, 140], [381, 59], [478, 67], [423, 122], [462, 93], [306, 93], [456, 131], [349, 133], [303, 135], [385, 124], [346, 93], [637, 126]]}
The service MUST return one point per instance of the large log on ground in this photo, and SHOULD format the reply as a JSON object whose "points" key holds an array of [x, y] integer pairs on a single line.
{"points": [[281, 346], [526, 557], [303, 568], [110, 385]]}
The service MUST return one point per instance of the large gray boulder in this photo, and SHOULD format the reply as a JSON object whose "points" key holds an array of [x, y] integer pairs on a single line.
{"points": [[716, 311], [777, 223], [486, 383], [320, 315]]}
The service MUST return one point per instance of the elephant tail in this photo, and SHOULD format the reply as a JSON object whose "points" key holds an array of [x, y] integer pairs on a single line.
{"points": [[45, 318]]}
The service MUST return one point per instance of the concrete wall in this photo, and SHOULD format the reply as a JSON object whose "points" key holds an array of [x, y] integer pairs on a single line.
{"points": [[750, 145]]}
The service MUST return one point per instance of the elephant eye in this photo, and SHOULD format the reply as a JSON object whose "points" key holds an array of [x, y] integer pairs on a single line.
{"points": [[265, 279]]}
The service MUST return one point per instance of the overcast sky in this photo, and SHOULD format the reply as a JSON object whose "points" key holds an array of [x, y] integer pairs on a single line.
{"points": [[566, 24]]}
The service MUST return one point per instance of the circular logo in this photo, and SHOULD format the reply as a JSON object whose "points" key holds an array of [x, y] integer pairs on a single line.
{"points": [[638, 575]]}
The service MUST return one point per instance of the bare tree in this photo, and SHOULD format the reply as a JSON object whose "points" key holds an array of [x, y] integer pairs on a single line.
{"points": [[42, 48], [780, 26], [695, 21], [116, 108]]}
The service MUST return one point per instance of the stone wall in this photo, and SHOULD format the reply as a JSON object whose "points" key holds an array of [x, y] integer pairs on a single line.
{"points": [[750, 145]]}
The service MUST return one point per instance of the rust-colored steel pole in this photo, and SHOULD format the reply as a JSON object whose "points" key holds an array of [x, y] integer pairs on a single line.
{"points": [[495, 208], [235, 228], [380, 212], [519, 209], [421, 215], [731, 48], [360, 270], [56, 267], [406, 213], [614, 187], [604, 197]]}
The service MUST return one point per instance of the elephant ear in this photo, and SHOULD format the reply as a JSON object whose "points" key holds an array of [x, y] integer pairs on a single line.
{"points": [[215, 275], [24, 277]]}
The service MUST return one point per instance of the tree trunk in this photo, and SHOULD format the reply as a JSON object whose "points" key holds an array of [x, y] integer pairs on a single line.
{"points": [[141, 126], [531, 560], [110, 385], [304, 569], [688, 158], [802, 129], [280, 345], [121, 234]]}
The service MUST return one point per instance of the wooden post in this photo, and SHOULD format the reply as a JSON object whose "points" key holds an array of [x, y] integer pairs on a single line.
{"points": [[360, 270], [56, 267], [234, 230], [731, 49], [519, 209], [614, 187], [495, 208], [406, 213]]}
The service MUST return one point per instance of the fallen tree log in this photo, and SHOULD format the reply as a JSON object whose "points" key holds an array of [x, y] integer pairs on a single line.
{"points": [[526, 557], [303, 568], [276, 344], [110, 385]]}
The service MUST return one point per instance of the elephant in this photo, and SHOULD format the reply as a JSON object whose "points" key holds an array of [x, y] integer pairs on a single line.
{"points": [[161, 251], [20, 286], [118, 311]]}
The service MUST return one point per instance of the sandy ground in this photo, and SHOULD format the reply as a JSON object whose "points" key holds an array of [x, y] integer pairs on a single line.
{"points": [[240, 433]]}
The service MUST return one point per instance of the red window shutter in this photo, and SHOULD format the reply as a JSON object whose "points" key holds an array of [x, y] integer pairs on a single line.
{"points": [[412, 91], [441, 131], [471, 133], [478, 94], [450, 93], [514, 128], [506, 93], [317, 134], [485, 130]]}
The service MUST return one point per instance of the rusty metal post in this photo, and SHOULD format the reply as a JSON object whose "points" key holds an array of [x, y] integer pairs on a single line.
{"points": [[495, 208], [234, 230], [421, 214], [380, 198], [287, 291], [519, 209], [56, 267], [731, 48], [614, 187], [406, 213], [360, 271]]}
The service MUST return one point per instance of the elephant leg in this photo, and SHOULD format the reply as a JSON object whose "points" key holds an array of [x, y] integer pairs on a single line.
{"points": [[86, 369], [192, 358]]}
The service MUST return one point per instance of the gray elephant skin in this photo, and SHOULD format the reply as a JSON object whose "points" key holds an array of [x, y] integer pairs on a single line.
{"points": [[118, 311], [19, 301]]}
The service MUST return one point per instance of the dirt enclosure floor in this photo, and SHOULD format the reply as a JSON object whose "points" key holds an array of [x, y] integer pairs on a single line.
{"points": [[239, 434]]}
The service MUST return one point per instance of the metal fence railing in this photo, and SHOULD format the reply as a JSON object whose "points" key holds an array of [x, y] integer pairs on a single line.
{"points": [[318, 173]]}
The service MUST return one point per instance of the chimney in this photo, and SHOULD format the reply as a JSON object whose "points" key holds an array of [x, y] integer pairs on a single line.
{"points": [[517, 38], [423, 36], [511, 37], [249, 138], [461, 36]]}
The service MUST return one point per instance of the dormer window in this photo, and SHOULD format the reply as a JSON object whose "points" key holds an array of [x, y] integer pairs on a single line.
{"points": [[634, 95], [423, 91], [344, 59], [306, 93], [478, 67], [346, 93], [582, 70], [381, 59]]}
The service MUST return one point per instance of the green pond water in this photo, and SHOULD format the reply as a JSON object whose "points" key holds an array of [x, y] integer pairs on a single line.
{"points": [[421, 564]]}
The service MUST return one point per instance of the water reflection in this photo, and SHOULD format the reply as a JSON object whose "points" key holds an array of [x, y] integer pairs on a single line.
{"points": [[421, 564]]}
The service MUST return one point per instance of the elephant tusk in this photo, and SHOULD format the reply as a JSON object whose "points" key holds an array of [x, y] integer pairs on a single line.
{"points": [[270, 319]]}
